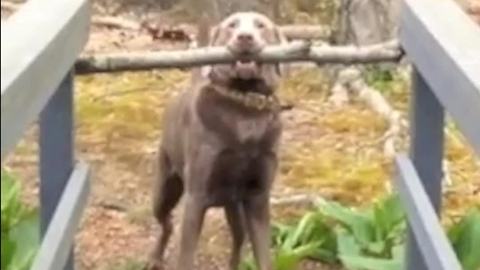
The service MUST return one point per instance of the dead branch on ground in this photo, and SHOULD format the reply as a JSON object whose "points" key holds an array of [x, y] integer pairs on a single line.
{"points": [[350, 80], [115, 22], [305, 31]]}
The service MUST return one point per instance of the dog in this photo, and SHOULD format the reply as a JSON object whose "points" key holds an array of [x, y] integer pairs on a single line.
{"points": [[219, 146]]}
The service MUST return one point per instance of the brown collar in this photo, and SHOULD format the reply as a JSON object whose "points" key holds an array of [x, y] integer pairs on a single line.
{"points": [[253, 100]]}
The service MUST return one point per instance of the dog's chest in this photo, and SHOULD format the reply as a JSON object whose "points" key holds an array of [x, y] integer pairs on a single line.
{"points": [[250, 129], [239, 173]]}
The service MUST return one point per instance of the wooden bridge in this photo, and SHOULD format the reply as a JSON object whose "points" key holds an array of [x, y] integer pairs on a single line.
{"points": [[37, 69]]}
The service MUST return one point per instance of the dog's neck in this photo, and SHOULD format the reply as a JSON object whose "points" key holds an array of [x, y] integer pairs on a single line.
{"points": [[249, 99], [252, 93], [249, 86]]}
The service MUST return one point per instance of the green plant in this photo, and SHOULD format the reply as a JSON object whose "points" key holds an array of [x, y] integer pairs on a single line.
{"points": [[20, 224], [310, 237], [368, 239], [465, 238], [371, 239]]}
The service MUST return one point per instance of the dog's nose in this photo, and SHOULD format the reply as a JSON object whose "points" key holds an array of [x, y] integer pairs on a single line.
{"points": [[245, 38]]}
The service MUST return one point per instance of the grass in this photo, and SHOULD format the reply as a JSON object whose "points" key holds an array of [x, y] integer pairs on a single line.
{"points": [[340, 151]]}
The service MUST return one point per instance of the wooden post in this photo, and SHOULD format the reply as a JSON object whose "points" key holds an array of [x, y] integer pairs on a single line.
{"points": [[427, 120], [56, 152]]}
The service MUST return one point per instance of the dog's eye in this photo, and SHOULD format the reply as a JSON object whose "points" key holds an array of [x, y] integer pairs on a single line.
{"points": [[259, 24], [233, 24]]}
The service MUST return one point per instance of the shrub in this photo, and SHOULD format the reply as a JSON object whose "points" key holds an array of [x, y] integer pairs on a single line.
{"points": [[20, 225], [369, 239]]}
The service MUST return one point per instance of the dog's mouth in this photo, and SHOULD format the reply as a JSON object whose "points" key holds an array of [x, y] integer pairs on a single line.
{"points": [[246, 69]]}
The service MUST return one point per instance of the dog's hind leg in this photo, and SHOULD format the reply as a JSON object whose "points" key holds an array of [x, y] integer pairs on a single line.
{"points": [[167, 193], [236, 221], [258, 227]]}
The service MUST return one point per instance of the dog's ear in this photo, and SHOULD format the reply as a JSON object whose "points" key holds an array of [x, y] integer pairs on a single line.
{"points": [[282, 69], [212, 38], [213, 35]]}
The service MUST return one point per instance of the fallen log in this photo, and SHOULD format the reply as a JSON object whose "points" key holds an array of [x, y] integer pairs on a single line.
{"points": [[299, 51], [115, 22], [305, 31]]}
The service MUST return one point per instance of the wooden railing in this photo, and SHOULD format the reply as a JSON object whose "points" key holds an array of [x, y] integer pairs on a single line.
{"points": [[39, 52], [444, 46]]}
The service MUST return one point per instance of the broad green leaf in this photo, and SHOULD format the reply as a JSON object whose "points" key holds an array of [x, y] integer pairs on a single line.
{"points": [[369, 263], [465, 238], [388, 213], [359, 224], [346, 243], [19, 227], [7, 251], [307, 250], [398, 252], [377, 247], [305, 224], [325, 255], [25, 235], [286, 260], [280, 232]]}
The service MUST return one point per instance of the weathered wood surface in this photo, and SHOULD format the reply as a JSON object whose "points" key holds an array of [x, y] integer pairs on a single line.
{"points": [[426, 150], [37, 52], [56, 244], [434, 244], [444, 44], [57, 152]]}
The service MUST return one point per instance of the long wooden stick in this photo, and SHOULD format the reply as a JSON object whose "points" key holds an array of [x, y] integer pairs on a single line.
{"points": [[293, 52]]}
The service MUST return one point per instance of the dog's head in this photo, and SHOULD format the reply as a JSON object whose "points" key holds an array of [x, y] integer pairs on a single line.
{"points": [[245, 33]]}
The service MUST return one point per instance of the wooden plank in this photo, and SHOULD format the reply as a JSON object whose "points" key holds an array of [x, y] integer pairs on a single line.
{"points": [[56, 141], [444, 44], [37, 51], [426, 151], [427, 138], [433, 243], [56, 244]]}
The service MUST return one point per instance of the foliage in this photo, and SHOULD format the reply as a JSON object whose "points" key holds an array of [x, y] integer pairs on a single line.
{"points": [[465, 238], [19, 232], [309, 238], [369, 239]]}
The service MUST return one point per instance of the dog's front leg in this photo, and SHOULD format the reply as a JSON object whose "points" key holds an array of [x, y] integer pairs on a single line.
{"points": [[197, 173], [191, 227]]}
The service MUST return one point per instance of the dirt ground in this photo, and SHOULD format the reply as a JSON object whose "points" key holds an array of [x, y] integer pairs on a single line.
{"points": [[329, 151]]}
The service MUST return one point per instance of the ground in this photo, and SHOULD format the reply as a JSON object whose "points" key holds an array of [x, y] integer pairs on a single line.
{"points": [[331, 152]]}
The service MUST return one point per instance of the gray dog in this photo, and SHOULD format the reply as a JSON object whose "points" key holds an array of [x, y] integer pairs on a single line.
{"points": [[220, 145]]}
